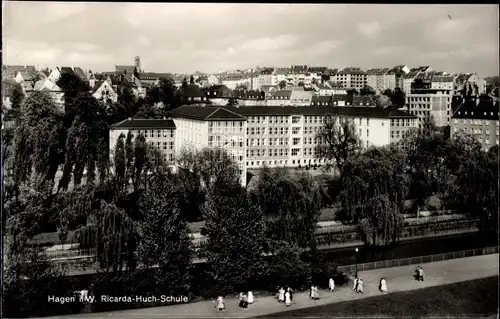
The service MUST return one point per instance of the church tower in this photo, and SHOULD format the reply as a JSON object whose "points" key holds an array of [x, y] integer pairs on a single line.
{"points": [[137, 64]]}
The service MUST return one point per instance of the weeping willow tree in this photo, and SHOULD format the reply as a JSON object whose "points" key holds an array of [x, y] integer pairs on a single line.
{"points": [[290, 205], [382, 224], [375, 179], [113, 236]]}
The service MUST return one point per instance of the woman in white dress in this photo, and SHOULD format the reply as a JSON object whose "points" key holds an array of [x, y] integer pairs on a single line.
{"points": [[288, 301], [250, 297], [355, 286], [383, 285], [220, 304], [331, 284], [316, 292], [281, 297], [311, 292], [360, 285]]}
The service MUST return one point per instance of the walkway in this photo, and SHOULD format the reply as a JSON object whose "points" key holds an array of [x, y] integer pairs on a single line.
{"points": [[398, 279]]}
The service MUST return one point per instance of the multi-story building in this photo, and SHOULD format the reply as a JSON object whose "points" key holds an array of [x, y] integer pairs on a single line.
{"points": [[11, 71], [250, 97], [380, 80], [265, 78], [219, 94], [159, 133], [399, 72], [233, 80], [329, 88], [280, 74], [280, 98], [299, 97], [297, 74], [351, 78], [198, 127], [471, 80], [478, 117], [286, 136], [431, 96]]}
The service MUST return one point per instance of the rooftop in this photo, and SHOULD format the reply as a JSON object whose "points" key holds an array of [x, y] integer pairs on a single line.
{"points": [[282, 93], [485, 109], [206, 113], [144, 123]]}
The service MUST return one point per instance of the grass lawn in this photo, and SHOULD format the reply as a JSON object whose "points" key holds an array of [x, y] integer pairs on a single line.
{"points": [[470, 298]]}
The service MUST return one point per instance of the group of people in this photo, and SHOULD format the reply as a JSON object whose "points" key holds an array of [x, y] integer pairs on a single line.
{"points": [[285, 296], [419, 274]]}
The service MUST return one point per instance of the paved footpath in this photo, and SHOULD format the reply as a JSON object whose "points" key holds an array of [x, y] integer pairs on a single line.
{"points": [[398, 279]]}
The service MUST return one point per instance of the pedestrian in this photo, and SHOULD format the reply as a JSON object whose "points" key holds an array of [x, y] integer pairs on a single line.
{"points": [[220, 305], [316, 292], [360, 286], [383, 285], [243, 301], [288, 300], [331, 284], [250, 297], [311, 292], [355, 286], [290, 290], [281, 297], [417, 273], [420, 274]]}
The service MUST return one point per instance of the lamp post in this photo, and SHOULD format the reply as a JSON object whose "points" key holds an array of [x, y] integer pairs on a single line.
{"points": [[356, 255]]}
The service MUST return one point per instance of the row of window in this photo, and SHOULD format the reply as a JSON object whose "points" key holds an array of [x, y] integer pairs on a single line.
{"points": [[474, 121], [156, 133], [402, 122], [215, 124], [225, 129], [285, 162], [396, 134]]}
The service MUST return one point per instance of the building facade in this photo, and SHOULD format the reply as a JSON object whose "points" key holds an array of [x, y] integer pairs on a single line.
{"points": [[158, 133], [351, 78], [478, 118], [380, 80]]}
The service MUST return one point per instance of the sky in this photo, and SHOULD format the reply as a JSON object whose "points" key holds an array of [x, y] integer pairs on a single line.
{"points": [[188, 37]]}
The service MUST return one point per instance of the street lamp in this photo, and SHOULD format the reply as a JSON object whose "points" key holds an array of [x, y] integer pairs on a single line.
{"points": [[356, 254]]}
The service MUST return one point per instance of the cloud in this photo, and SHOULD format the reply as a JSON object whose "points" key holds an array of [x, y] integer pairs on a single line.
{"points": [[144, 41], [325, 47], [368, 29], [270, 44]]}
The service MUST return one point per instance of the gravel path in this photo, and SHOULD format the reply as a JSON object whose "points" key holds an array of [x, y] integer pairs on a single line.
{"points": [[398, 279]]}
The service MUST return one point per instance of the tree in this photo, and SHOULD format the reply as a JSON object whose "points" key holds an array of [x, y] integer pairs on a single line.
{"points": [[86, 143], [168, 89], [301, 84], [191, 80], [233, 224], [291, 206], [382, 101], [17, 98], [398, 98], [282, 85], [352, 92], [184, 83], [314, 81], [383, 223], [338, 141], [165, 239], [367, 91], [127, 100], [377, 172], [36, 146]]}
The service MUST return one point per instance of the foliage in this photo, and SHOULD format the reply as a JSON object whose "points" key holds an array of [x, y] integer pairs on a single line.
{"points": [[235, 229], [383, 223], [286, 267], [165, 239], [382, 101], [290, 204], [242, 86], [367, 91], [338, 141], [191, 79], [376, 179], [397, 97], [86, 143], [301, 84], [282, 84], [16, 99]]}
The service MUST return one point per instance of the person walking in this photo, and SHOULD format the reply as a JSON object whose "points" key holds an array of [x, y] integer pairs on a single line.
{"points": [[311, 292], [290, 290], [220, 305], [281, 295], [383, 285], [360, 286], [288, 300], [331, 284], [420, 274], [355, 286], [250, 297]]}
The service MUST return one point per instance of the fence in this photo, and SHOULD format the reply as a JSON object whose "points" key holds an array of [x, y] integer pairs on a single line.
{"points": [[419, 260]]}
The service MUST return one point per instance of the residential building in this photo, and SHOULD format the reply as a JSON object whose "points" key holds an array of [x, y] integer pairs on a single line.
{"points": [[399, 72], [214, 79], [234, 80], [47, 85], [280, 98], [322, 100], [297, 74], [470, 79], [159, 133], [269, 89], [199, 127], [104, 92], [152, 78], [10, 71], [443, 82], [351, 78], [125, 69], [250, 97], [380, 80], [426, 103], [192, 94], [317, 72], [479, 118], [202, 81], [363, 101], [279, 74], [301, 98], [219, 94], [336, 88], [265, 77], [57, 72], [286, 136]]}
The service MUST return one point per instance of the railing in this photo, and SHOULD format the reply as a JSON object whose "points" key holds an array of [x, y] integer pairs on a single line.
{"points": [[338, 235], [419, 260]]}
